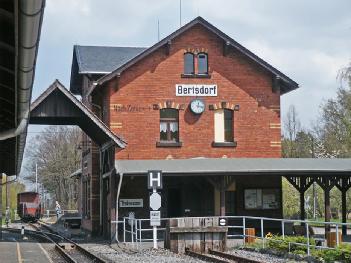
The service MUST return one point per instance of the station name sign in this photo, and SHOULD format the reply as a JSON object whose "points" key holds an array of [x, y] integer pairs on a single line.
{"points": [[131, 203], [196, 90]]}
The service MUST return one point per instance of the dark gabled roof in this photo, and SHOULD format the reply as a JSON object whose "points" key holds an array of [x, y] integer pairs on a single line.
{"points": [[288, 84], [103, 60], [98, 60], [237, 166], [58, 106]]}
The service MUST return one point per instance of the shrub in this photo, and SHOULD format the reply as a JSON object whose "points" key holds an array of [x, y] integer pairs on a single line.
{"points": [[282, 244], [277, 243], [342, 253]]}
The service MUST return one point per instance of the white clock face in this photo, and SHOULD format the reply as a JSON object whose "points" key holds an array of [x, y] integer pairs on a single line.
{"points": [[197, 106]]}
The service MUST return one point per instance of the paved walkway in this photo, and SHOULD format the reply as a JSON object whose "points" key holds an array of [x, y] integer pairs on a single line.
{"points": [[15, 250]]}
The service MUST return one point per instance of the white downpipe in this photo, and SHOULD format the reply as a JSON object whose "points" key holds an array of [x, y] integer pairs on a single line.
{"points": [[15, 131], [117, 198]]}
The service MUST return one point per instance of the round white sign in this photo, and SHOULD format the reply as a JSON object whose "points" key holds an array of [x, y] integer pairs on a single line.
{"points": [[155, 201]]}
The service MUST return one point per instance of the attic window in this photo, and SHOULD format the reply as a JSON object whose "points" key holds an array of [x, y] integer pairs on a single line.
{"points": [[202, 63], [189, 63]]}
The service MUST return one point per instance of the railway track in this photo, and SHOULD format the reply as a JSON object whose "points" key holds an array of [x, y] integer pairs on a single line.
{"points": [[220, 257], [69, 250]]}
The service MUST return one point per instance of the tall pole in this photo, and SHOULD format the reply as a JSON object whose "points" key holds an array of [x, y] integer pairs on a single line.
{"points": [[36, 177], [180, 13], [7, 193]]}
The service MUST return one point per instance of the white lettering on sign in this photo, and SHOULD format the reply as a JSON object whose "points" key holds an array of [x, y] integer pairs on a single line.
{"points": [[196, 90], [154, 179], [155, 218], [131, 203]]}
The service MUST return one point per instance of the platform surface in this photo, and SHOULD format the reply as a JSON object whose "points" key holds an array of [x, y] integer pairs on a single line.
{"points": [[13, 249]]}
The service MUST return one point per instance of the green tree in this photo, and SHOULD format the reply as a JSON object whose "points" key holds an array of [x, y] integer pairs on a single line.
{"points": [[335, 124], [345, 74], [291, 199], [292, 127], [56, 153], [13, 189]]}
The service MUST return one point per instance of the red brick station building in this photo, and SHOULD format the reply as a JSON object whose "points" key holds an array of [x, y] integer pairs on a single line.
{"points": [[198, 106]]}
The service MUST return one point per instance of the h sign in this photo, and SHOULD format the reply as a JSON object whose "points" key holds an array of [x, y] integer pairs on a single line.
{"points": [[154, 179]]}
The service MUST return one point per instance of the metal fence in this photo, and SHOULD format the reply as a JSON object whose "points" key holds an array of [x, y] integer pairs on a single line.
{"points": [[51, 213], [139, 230]]}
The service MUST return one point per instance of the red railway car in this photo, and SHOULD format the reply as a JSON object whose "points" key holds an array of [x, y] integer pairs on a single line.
{"points": [[28, 206]]}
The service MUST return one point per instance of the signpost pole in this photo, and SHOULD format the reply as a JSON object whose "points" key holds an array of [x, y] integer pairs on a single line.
{"points": [[155, 236], [154, 183], [154, 229]]}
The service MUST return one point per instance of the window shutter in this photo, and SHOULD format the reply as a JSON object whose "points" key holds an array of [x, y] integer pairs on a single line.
{"points": [[219, 126]]}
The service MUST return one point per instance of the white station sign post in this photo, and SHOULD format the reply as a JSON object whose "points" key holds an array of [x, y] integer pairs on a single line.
{"points": [[154, 181]]}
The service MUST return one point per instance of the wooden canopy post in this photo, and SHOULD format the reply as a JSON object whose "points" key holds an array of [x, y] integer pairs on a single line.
{"points": [[327, 183], [327, 214], [222, 197], [221, 184], [301, 184], [343, 212], [343, 184]]}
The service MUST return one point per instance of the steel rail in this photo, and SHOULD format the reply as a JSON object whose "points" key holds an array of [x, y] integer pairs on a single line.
{"points": [[78, 248], [44, 236], [205, 257], [236, 258]]}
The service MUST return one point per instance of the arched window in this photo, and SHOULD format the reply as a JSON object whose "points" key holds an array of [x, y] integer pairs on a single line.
{"points": [[169, 125], [189, 63], [202, 63]]}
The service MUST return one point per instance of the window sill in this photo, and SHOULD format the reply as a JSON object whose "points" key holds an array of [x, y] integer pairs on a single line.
{"points": [[224, 144], [196, 76], [168, 144]]}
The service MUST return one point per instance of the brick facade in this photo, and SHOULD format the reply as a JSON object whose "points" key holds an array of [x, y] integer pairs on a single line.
{"points": [[152, 81]]}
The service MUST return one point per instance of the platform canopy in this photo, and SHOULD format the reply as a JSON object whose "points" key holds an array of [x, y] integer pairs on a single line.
{"points": [[58, 106], [20, 27], [237, 166], [300, 172]]}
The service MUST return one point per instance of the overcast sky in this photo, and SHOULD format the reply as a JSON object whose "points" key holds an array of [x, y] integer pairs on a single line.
{"points": [[307, 40]]}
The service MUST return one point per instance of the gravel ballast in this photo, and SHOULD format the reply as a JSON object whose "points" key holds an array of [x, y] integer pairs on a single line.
{"points": [[125, 255], [122, 254], [260, 256]]}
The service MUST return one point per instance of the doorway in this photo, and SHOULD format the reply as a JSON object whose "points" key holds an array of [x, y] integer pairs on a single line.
{"points": [[174, 202], [105, 205]]}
